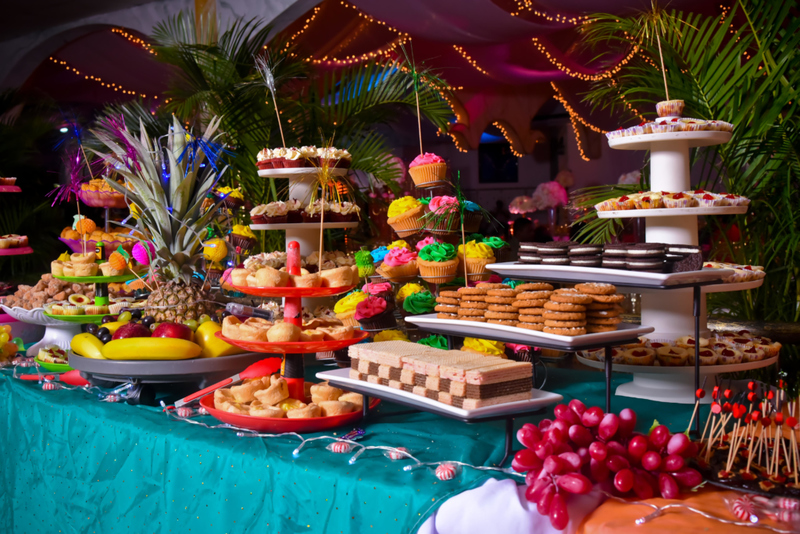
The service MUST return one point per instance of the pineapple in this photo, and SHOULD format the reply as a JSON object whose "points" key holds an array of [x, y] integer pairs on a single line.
{"points": [[169, 210]]}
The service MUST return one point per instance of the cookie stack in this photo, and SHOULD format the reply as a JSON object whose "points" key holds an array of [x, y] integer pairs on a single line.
{"points": [[603, 313], [529, 253], [473, 305], [646, 257], [500, 308], [585, 255], [565, 312], [447, 305], [529, 302], [615, 256], [555, 252]]}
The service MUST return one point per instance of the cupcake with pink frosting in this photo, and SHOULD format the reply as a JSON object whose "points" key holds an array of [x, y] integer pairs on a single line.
{"points": [[373, 315], [399, 265], [430, 240], [444, 216], [382, 290], [427, 169]]}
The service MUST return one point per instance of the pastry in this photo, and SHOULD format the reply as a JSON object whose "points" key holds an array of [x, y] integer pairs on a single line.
{"points": [[310, 411], [269, 277], [274, 393], [108, 270], [671, 356], [85, 269], [79, 258], [335, 407], [246, 391], [57, 268], [312, 335], [339, 277], [283, 332], [337, 332], [639, 356], [230, 327], [306, 280], [427, 168], [324, 392], [257, 409], [239, 277], [252, 331], [356, 399]]}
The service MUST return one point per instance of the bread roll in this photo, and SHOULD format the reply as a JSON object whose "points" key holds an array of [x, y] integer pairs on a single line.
{"points": [[312, 410]]}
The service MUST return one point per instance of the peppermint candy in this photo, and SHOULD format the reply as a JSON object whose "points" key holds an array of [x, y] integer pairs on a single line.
{"points": [[112, 398], [446, 471], [340, 447], [743, 509], [785, 516], [202, 410], [50, 386], [786, 503], [184, 411], [397, 454]]}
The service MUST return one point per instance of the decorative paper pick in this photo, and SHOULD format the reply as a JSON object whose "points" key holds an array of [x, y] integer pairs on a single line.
{"points": [[265, 70]]}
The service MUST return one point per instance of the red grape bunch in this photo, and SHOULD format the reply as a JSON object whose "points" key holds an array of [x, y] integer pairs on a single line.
{"points": [[584, 446]]}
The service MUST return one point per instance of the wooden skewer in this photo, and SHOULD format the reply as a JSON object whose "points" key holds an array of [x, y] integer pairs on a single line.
{"points": [[752, 450]]}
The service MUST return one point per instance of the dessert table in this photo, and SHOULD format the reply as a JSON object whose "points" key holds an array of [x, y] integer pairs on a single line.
{"points": [[72, 464]]}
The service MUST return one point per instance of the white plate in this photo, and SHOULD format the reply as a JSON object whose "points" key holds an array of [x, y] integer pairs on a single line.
{"points": [[512, 334], [671, 212], [645, 141], [303, 226], [538, 398], [684, 370], [298, 171], [735, 286], [570, 273]]}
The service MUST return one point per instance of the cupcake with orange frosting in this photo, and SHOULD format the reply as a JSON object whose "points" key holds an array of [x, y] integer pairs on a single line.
{"points": [[399, 265], [476, 256], [427, 168], [405, 216]]}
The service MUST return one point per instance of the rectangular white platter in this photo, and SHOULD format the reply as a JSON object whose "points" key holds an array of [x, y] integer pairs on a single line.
{"points": [[568, 273], [539, 399], [298, 171], [671, 212], [512, 334]]}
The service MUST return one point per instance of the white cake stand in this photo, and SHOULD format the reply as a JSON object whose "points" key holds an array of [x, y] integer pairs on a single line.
{"points": [[58, 333]]}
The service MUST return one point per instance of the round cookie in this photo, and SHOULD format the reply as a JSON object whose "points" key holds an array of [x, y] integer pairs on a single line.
{"points": [[534, 295], [446, 309], [572, 298], [595, 306], [531, 326], [501, 315], [535, 286], [467, 312], [503, 308], [446, 316], [473, 305], [448, 300], [564, 316], [531, 319], [574, 331], [531, 311], [521, 304], [555, 260], [597, 328], [502, 292], [502, 322], [472, 291], [488, 285], [603, 313], [450, 294], [596, 288], [608, 299], [500, 300], [605, 320], [563, 306], [473, 298], [566, 290], [473, 318]]}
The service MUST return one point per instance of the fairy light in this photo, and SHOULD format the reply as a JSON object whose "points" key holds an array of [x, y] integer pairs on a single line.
{"points": [[528, 5], [306, 24], [456, 142], [132, 38], [505, 133], [574, 118], [350, 60], [580, 75], [115, 86], [471, 61]]}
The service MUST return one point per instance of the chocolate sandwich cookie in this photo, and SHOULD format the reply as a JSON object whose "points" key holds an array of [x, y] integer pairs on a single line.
{"points": [[615, 250], [529, 258], [615, 262], [555, 260], [682, 250], [586, 261], [585, 250], [529, 247], [649, 264], [554, 248], [647, 250], [692, 262]]}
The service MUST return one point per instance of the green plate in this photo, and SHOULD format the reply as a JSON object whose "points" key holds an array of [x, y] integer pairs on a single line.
{"points": [[97, 279], [80, 319], [53, 367]]}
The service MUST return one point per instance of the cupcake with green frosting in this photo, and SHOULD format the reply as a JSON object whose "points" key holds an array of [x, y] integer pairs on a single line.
{"points": [[435, 341], [366, 267], [502, 250], [437, 263], [419, 303]]}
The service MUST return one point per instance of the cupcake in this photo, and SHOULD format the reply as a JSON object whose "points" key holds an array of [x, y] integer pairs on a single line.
{"points": [[242, 238], [476, 256], [736, 200], [419, 303], [430, 240], [275, 213], [646, 201], [56, 309], [390, 335], [426, 169], [409, 289], [437, 263], [730, 356], [72, 309], [707, 356], [264, 159], [293, 159], [381, 290], [639, 356], [96, 310], [678, 200], [348, 212], [295, 210], [435, 341], [310, 155], [399, 244], [502, 250], [335, 157], [624, 202], [486, 347], [313, 212], [670, 108], [373, 315], [472, 216], [399, 265], [444, 216], [232, 198], [345, 308], [405, 216], [709, 200], [257, 214]]}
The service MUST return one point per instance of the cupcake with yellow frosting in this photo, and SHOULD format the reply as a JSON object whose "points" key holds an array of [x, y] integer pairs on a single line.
{"points": [[399, 244], [485, 347], [437, 263], [405, 216], [345, 308], [390, 335], [409, 289], [242, 238], [232, 198], [476, 256]]}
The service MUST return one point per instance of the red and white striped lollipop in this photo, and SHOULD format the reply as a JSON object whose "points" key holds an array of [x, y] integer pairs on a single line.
{"points": [[446, 471], [340, 447]]}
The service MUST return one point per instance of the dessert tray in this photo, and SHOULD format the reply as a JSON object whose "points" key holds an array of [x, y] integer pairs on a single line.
{"points": [[672, 212], [304, 226], [295, 347], [341, 378], [693, 139], [624, 333], [680, 370], [18, 251], [296, 172]]}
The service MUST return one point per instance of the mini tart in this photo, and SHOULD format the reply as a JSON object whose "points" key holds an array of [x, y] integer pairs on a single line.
{"points": [[678, 200], [687, 342], [108, 270], [78, 258], [69, 309], [624, 202], [646, 201], [85, 269], [56, 309], [672, 356], [69, 270], [753, 354], [707, 357], [57, 268], [639, 356], [710, 200], [730, 356]]}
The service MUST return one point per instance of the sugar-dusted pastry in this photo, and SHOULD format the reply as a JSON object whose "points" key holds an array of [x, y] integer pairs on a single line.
{"points": [[672, 356], [306, 280], [230, 327], [356, 399], [270, 277], [339, 277], [274, 394], [222, 395], [335, 407], [337, 332], [312, 410], [246, 392], [239, 277], [324, 392], [257, 409], [283, 332]]}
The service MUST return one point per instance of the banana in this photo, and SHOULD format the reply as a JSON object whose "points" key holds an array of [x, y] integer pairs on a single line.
{"points": [[113, 326], [88, 346], [212, 345], [150, 348]]}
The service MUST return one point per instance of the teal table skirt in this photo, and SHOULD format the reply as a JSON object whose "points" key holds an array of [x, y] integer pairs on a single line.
{"points": [[71, 464]]}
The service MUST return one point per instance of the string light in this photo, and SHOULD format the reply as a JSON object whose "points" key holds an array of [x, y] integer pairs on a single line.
{"points": [[582, 76], [574, 119], [471, 61], [114, 86], [132, 38], [306, 24], [507, 136], [528, 5], [350, 60]]}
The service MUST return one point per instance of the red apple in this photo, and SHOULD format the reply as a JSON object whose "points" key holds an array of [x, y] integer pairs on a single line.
{"points": [[131, 330], [180, 331]]}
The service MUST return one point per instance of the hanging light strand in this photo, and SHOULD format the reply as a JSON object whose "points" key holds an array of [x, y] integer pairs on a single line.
{"points": [[507, 137], [306, 24], [574, 119], [115, 86], [528, 5], [136, 40], [471, 61], [580, 75]]}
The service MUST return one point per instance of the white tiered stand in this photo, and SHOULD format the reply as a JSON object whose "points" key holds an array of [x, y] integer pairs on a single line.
{"points": [[672, 314]]}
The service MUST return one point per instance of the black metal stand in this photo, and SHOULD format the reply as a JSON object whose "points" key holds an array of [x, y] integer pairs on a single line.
{"points": [[608, 351], [696, 310]]}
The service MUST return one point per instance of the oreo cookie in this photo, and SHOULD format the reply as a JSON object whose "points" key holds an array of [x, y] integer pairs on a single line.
{"points": [[647, 250], [529, 246], [589, 260], [682, 250], [554, 248], [525, 257], [585, 250], [618, 250], [555, 260], [649, 264], [612, 262]]}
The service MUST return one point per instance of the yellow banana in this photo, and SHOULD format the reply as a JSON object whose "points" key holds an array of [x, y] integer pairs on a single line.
{"points": [[113, 326], [87, 345], [212, 345], [150, 348]]}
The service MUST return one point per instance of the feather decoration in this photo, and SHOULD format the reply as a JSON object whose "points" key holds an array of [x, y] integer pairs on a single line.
{"points": [[265, 69]]}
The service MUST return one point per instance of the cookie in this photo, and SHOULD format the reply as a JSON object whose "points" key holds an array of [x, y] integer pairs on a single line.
{"points": [[522, 304], [472, 291], [473, 318], [615, 263], [503, 308], [594, 306], [529, 246], [572, 298], [585, 250], [501, 315], [564, 324], [618, 250], [555, 260], [597, 328], [531, 319], [534, 295], [603, 313], [535, 286], [566, 290], [529, 258], [563, 307], [489, 285], [645, 264], [553, 248], [446, 309], [469, 305], [575, 331], [646, 250], [613, 299], [448, 300], [446, 316], [500, 300], [531, 311], [596, 288], [502, 293], [586, 261], [683, 250], [604, 320], [502, 322], [470, 312], [473, 298], [531, 326], [564, 316], [450, 294], [692, 262]]}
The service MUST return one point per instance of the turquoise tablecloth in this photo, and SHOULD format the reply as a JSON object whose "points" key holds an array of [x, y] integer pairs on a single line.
{"points": [[71, 464]]}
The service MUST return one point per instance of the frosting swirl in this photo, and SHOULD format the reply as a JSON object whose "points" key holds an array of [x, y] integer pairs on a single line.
{"points": [[242, 230], [379, 253], [349, 303], [426, 159], [430, 240], [418, 303], [471, 206], [390, 335], [476, 250], [399, 256], [398, 244], [408, 289], [435, 341], [370, 307], [377, 288], [402, 205], [363, 258], [276, 209], [443, 204], [438, 252], [492, 348], [495, 242]]}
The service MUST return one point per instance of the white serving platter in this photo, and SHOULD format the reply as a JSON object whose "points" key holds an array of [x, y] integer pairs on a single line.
{"points": [[298, 171], [687, 370], [512, 334], [645, 141], [303, 226], [341, 377], [671, 212]]}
